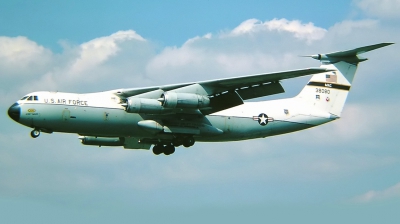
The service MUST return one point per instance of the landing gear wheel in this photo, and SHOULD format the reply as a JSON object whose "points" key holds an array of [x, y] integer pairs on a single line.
{"points": [[35, 133], [177, 142], [189, 141], [169, 149], [158, 149]]}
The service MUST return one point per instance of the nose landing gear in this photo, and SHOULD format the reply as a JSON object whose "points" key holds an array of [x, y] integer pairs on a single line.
{"points": [[35, 133]]}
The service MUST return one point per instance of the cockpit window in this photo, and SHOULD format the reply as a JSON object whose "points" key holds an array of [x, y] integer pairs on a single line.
{"points": [[30, 98]]}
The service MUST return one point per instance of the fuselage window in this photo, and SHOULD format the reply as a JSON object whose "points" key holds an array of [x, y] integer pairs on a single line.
{"points": [[30, 98], [35, 98]]}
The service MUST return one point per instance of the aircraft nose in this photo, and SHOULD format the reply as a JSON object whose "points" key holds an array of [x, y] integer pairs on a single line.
{"points": [[14, 112]]}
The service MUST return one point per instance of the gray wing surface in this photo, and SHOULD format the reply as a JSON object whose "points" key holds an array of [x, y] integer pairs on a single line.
{"points": [[228, 84], [224, 93], [261, 78]]}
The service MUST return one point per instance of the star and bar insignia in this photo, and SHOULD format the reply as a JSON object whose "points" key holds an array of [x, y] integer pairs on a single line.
{"points": [[263, 119]]}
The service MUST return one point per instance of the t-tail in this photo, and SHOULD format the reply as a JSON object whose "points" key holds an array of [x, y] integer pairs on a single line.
{"points": [[328, 91]]}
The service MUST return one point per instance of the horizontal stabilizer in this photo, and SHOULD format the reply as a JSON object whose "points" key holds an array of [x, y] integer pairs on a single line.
{"points": [[349, 55], [357, 51]]}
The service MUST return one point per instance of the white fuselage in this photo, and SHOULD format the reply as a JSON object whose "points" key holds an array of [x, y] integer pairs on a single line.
{"points": [[102, 115]]}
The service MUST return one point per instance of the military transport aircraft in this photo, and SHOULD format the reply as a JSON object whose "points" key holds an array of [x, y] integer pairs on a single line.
{"points": [[207, 111]]}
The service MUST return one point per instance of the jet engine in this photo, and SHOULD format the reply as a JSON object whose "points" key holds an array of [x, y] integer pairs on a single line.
{"points": [[167, 102], [184, 100], [142, 105]]}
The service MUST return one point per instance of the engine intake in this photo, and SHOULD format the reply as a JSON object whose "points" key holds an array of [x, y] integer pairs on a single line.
{"points": [[184, 100]]}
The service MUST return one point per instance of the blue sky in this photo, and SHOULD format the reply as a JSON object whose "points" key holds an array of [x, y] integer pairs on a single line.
{"points": [[167, 23], [346, 171]]}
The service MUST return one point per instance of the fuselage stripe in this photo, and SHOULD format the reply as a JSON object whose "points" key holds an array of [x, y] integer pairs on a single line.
{"points": [[329, 85], [69, 105], [286, 121]]}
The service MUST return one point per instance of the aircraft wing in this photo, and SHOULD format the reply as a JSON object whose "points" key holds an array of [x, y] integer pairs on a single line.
{"points": [[227, 92], [221, 85], [125, 93]]}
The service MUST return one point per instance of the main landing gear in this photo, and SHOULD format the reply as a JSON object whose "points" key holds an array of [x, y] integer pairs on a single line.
{"points": [[35, 133], [169, 149], [166, 149]]}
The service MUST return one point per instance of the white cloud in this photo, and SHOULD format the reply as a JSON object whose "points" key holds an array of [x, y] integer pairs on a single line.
{"points": [[191, 40], [358, 121], [17, 49], [76, 66], [303, 31], [370, 196], [26, 66], [387, 9], [246, 27], [249, 48], [97, 51], [21, 57], [349, 27]]}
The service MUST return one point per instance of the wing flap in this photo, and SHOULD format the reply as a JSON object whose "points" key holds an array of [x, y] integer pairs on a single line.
{"points": [[243, 81], [260, 90], [222, 102]]}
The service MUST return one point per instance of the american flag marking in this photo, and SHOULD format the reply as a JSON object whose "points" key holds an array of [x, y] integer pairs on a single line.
{"points": [[331, 78]]}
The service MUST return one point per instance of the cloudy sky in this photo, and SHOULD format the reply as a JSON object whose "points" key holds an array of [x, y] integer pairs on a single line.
{"points": [[347, 171]]}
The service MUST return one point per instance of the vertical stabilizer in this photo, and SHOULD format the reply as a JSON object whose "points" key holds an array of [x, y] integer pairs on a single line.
{"points": [[328, 91]]}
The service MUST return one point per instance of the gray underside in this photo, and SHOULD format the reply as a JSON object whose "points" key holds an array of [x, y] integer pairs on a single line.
{"points": [[106, 122]]}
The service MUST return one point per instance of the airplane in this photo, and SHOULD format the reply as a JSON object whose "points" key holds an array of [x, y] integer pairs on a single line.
{"points": [[208, 111]]}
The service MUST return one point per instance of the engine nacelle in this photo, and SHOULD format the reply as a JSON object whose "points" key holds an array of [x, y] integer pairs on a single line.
{"points": [[142, 105], [184, 100]]}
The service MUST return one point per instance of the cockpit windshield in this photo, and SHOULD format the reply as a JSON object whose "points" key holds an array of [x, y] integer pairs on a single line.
{"points": [[30, 98]]}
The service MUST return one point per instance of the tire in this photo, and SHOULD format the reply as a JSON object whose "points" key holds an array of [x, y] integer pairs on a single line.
{"points": [[169, 149], [35, 133], [189, 141], [158, 149], [177, 142]]}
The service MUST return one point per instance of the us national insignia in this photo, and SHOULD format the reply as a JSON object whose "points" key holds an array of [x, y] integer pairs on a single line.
{"points": [[263, 119]]}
